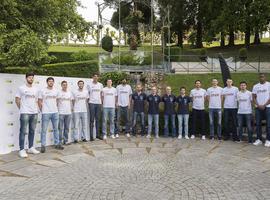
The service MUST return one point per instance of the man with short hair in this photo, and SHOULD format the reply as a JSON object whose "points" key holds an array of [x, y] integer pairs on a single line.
{"points": [[261, 99], [169, 112], [214, 97], [64, 102], [109, 99], [26, 100], [80, 98], [153, 112], [95, 89], [183, 102], [138, 98], [198, 96], [244, 98], [229, 94], [124, 93], [47, 102]]}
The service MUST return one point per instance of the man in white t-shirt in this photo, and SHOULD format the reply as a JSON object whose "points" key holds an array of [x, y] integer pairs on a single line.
{"points": [[64, 103], [124, 93], [261, 98], [26, 100], [109, 99], [47, 101], [95, 89], [244, 98], [230, 110], [80, 99], [214, 97], [198, 96]]}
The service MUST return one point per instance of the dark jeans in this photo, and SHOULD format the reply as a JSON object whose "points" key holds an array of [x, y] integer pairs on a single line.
{"points": [[247, 119], [260, 114], [134, 123], [123, 115], [29, 120], [166, 125], [95, 113], [198, 117], [230, 122]]}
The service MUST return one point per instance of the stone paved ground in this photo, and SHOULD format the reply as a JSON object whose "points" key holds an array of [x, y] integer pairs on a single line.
{"points": [[140, 169]]}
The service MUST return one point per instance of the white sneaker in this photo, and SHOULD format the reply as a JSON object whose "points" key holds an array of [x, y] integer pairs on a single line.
{"points": [[186, 137], [257, 142], [203, 137], [192, 137], [23, 154], [117, 135], [128, 135], [105, 137], [180, 137], [32, 150], [267, 143], [148, 136], [157, 136], [112, 136]]}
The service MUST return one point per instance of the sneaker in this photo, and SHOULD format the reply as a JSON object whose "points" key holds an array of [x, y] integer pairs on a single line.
{"points": [[59, 147], [192, 137], [180, 137], [117, 135], [148, 136], [32, 150], [23, 154], [219, 138], [157, 136], [186, 137], [84, 140], [105, 137], [112, 136], [267, 143], [212, 138], [203, 137], [257, 142], [128, 135], [43, 149], [75, 141]]}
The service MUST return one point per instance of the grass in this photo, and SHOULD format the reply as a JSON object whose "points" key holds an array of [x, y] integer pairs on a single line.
{"points": [[178, 80]]}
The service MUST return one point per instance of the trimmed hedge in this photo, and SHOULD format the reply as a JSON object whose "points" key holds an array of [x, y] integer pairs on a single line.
{"points": [[61, 56], [82, 69]]}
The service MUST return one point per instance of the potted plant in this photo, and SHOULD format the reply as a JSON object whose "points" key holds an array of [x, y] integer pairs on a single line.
{"points": [[243, 54]]}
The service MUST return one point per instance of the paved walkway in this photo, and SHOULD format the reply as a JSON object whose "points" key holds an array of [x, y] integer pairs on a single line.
{"points": [[140, 169]]}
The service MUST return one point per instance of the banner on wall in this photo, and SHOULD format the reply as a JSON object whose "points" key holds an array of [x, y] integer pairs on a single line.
{"points": [[9, 114]]}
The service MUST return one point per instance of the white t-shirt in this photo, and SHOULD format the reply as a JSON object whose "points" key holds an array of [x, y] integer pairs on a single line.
{"points": [[244, 102], [80, 97], [123, 93], [95, 92], [198, 96], [64, 102], [49, 104], [214, 94], [230, 97], [109, 95], [29, 97], [262, 92]]}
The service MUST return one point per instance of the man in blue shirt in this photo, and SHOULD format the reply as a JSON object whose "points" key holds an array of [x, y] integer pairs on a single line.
{"points": [[183, 102], [153, 112], [169, 111], [138, 99]]}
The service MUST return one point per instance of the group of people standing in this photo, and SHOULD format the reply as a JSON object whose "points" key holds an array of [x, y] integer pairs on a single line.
{"points": [[115, 106]]}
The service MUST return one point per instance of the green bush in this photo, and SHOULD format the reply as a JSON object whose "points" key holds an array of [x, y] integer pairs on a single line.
{"points": [[107, 43], [81, 56], [83, 69], [116, 77], [242, 53], [61, 57], [126, 59]]}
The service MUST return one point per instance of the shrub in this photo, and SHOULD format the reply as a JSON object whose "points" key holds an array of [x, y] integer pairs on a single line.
{"points": [[107, 43], [81, 56], [61, 57], [243, 53], [116, 77]]}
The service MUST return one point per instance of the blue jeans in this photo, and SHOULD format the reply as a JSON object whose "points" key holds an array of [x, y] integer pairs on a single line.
{"points": [[247, 119], [166, 126], [123, 115], [183, 119], [154, 117], [46, 118], [259, 115], [95, 113], [212, 113], [230, 122], [135, 116], [64, 125], [108, 115], [29, 120], [268, 123], [79, 118]]}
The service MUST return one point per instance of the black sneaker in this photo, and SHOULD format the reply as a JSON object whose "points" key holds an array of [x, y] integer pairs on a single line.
{"points": [[92, 139], [219, 138], [84, 140], [75, 141], [59, 147], [43, 149], [211, 138]]}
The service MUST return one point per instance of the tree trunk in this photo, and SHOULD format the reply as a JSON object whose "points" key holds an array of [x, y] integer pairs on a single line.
{"points": [[257, 39], [231, 37], [247, 36], [222, 39], [199, 35], [180, 39]]}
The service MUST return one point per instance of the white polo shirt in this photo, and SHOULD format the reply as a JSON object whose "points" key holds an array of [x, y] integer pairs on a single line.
{"points": [[198, 96], [262, 92], [123, 92], [230, 97], [214, 94], [49, 104]]}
